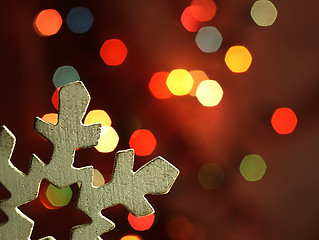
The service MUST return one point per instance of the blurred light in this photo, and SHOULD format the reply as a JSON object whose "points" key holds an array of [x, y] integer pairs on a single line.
{"points": [[209, 93], [238, 59], [143, 142], [108, 140], [180, 228], [113, 52], [51, 118], [284, 121], [158, 87], [264, 13], [55, 98], [252, 167], [131, 237], [198, 76], [211, 176], [98, 179], [203, 10], [43, 198], [59, 197], [141, 223], [65, 75], [188, 21], [208, 39], [79, 20], [179, 82], [48, 22], [96, 116]]}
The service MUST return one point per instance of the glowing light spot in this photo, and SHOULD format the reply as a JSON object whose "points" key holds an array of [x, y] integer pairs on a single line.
{"points": [[65, 75], [208, 39], [203, 10], [252, 167], [79, 20], [264, 13], [131, 237], [143, 142], [238, 59], [180, 228], [179, 82], [48, 22], [209, 93], [43, 198], [158, 87], [113, 52], [198, 76], [188, 21], [141, 223], [96, 116], [108, 141], [284, 121], [211, 176], [98, 179], [59, 197], [55, 98], [51, 118]]}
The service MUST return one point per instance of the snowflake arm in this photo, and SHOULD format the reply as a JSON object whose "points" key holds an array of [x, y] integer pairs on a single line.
{"points": [[127, 188]]}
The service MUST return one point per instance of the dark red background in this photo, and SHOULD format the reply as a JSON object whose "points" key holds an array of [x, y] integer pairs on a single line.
{"points": [[284, 73]]}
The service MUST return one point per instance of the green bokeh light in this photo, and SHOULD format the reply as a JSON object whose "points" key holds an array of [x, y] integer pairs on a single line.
{"points": [[59, 197], [252, 167]]}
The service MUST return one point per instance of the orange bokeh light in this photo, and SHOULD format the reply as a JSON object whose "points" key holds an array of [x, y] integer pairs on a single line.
{"points": [[43, 198], [188, 20], [113, 52], [238, 59], [141, 223], [143, 142], [48, 22], [51, 118], [284, 121], [158, 87], [203, 10], [55, 98]]}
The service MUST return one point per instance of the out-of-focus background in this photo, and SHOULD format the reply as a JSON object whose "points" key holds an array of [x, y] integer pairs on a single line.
{"points": [[212, 197]]}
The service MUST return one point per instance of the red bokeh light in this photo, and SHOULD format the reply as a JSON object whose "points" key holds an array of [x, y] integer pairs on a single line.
{"points": [[143, 142], [284, 121], [141, 223], [158, 87], [188, 20], [48, 22], [113, 52], [55, 98], [203, 10]]}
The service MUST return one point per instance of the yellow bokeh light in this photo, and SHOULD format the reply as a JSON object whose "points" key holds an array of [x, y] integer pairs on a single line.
{"points": [[238, 59], [131, 237], [108, 141], [51, 118], [96, 116], [179, 82], [98, 179], [198, 77], [209, 93]]}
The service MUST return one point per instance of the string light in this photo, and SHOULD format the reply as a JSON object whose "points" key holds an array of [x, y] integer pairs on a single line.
{"points": [[158, 87], [51, 118], [65, 75], [79, 19], [203, 10], [208, 39], [59, 197]]}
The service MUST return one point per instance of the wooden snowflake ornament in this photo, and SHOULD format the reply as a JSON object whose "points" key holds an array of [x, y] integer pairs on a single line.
{"points": [[126, 187]]}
